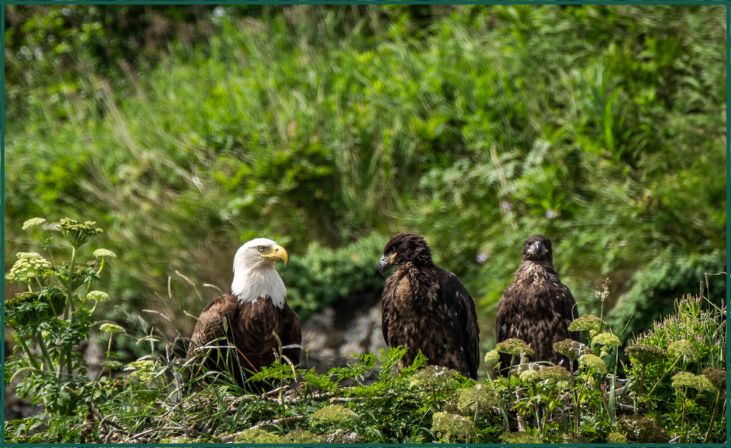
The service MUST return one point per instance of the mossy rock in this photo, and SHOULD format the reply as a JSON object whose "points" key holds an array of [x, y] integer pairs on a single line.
{"points": [[519, 437], [342, 436], [435, 378], [300, 436], [255, 435], [642, 429], [333, 415], [453, 427]]}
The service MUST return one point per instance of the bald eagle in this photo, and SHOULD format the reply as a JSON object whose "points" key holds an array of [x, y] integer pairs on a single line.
{"points": [[426, 308], [244, 330], [536, 308]]}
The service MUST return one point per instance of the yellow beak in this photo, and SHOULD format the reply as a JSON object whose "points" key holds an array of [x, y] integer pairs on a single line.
{"points": [[278, 253]]}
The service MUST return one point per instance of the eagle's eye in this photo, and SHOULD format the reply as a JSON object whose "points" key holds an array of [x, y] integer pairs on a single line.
{"points": [[261, 248]]}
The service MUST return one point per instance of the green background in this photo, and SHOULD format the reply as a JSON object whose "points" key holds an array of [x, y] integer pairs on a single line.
{"points": [[186, 131]]}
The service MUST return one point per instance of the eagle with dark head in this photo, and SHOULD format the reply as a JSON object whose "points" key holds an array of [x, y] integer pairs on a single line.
{"points": [[536, 308], [426, 308], [245, 330]]}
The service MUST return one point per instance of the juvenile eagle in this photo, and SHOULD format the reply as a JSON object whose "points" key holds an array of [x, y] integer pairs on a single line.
{"points": [[253, 320], [536, 308], [426, 308]]}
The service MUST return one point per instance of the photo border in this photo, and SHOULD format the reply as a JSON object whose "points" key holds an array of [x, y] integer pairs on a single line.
{"points": [[726, 3]]}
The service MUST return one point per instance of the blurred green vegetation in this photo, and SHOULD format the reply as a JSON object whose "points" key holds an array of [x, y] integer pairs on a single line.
{"points": [[187, 131]]}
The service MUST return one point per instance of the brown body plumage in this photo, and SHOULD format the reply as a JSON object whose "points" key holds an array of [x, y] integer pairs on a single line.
{"points": [[536, 308], [247, 329], [253, 330], [427, 309]]}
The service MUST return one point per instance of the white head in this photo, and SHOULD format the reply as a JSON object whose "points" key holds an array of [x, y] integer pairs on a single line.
{"points": [[254, 273]]}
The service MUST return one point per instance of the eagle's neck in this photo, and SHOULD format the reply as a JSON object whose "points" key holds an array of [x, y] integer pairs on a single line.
{"points": [[530, 268], [250, 285]]}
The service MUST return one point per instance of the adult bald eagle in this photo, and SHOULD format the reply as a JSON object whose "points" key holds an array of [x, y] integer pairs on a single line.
{"points": [[536, 308], [243, 331], [426, 308]]}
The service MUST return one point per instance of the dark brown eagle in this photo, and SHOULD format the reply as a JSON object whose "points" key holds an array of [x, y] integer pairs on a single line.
{"points": [[426, 308], [536, 308], [245, 330]]}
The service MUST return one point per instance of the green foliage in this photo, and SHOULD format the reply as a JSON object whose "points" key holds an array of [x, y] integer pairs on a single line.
{"points": [[320, 127], [373, 401], [50, 316], [324, 275], [677, 365], [668, 275]]}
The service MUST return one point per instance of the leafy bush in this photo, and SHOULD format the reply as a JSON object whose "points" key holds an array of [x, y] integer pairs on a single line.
{"points": [[324, 275]]}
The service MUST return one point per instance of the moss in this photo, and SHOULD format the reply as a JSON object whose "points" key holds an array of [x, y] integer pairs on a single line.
{"points": [[300, 436], [616, 437], [342, 436], [333, 415], [254, 435], [642, 429], [519, 437], [182, 439], [452, 427], [435, 378]]}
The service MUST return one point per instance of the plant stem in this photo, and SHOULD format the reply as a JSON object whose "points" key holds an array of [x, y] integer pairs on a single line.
{"points": [[662, 376], [109, 346], [713, 416], [28, 353], [682, 414], [69, 291], [44, 349]]}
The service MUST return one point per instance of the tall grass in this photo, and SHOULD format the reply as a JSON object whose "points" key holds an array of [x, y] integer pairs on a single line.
{"points": [[476, 126]]}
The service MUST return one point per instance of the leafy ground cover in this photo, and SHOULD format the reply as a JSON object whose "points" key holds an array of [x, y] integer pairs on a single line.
{"points": [[666, 384]]}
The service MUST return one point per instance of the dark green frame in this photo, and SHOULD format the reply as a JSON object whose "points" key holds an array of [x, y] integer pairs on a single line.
{"points": [[726, 3]]}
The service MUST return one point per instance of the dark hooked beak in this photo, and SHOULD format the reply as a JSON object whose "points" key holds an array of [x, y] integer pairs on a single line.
{"points": [[383, 265], [537, 248]]}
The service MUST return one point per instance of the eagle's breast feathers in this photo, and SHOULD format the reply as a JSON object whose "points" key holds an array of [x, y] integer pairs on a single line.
{"points": [[423, 310], [536, 308]]}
